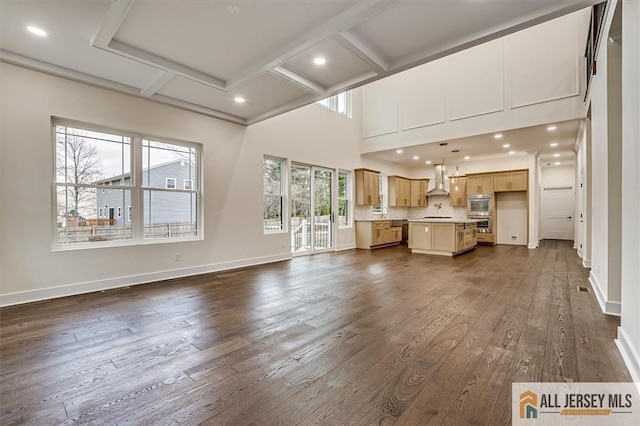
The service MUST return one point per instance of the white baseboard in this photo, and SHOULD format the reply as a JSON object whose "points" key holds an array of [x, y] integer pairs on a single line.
{"points": [[533, 245], [629, 355], [346, 247], [586, 263], [609, 308], [111, 283]]}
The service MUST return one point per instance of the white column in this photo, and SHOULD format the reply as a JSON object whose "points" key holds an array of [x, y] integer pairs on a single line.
{"points": [[534, 200]]}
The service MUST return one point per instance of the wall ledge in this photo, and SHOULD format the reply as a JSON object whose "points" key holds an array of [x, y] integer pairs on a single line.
{"points": [[111, 283], [609, 308], [629, 355]]}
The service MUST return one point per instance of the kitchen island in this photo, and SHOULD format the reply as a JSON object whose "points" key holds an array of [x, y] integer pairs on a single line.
{"points": [[444, 237]]}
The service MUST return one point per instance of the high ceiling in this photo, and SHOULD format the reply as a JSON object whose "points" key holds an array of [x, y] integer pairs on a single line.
{"points": [[201, 55]]}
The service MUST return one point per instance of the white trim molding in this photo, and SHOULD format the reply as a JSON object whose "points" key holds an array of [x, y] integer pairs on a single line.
{"points": [[609, 308], [629, 355], [346, 247], [533, 245], [586, 263], [111, 283]]}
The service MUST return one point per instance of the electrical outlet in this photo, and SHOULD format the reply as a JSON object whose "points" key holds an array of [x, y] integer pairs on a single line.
{"points": [[514, 237], [177, 258]]}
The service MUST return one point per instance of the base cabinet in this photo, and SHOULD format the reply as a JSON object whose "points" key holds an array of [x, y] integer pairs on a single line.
{"points": [[445, 239], [377, 233]]}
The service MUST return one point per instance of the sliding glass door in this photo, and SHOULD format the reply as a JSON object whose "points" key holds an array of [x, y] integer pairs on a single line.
{"points": [[311, 209]]}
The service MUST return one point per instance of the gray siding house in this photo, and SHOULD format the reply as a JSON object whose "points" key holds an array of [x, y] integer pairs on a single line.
{"points": [[160, 207]]}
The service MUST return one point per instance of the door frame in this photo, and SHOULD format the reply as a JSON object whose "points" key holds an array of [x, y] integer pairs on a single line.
{"points": [[542, 212], [334, 205]]}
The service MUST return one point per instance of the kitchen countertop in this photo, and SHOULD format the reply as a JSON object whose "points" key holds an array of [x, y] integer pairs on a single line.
{"points": [[444, 220]]}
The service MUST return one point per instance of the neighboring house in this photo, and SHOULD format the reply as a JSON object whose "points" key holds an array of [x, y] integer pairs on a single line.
{"points": [[165, 206]]}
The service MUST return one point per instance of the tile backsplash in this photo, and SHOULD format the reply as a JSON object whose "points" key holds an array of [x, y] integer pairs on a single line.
{"points": [[438, 206]]}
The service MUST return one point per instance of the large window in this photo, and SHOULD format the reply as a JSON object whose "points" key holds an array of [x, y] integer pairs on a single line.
{"points": [[273, 183], [340, 103], [89, 158], [344, 203]]}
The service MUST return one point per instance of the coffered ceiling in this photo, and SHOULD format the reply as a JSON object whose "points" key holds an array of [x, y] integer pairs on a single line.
{"points": [[202, 55]]}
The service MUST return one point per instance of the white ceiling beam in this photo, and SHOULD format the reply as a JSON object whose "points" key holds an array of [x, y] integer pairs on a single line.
{"points": [[347, 19], [104, 39], [157, 84], [115, 16], [298, 81], [351, 83], [58, 71], [362, 51], [159, 62]]}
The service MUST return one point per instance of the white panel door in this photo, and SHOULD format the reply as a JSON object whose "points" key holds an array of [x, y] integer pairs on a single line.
{"points": [[557, 210]]}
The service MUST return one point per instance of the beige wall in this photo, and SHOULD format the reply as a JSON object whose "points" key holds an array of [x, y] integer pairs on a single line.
{"points": [[232, 155]]}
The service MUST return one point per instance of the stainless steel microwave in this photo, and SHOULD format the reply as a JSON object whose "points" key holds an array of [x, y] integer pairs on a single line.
{"points": [[479, 205]]}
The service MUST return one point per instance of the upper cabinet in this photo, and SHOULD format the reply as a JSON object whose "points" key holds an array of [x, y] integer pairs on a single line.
{"points": [[399, 191], [480, 184], [367, 187], [458, 192], [515, 180], [419, 189], [405, 192]]}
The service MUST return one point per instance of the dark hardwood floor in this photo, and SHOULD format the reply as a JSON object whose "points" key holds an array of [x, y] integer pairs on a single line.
{"points": [[350, 338]]}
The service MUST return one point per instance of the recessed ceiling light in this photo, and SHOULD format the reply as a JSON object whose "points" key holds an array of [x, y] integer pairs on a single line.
{"points": [[398, 151], [415, 157], [553, 144], [319, 60], [550, 128], [239, 99], [234, 9], [427, 162], [466, 157], [498, 136], [506, 145], [557, 163], [556, 155], [37, 31], [512, 152]]}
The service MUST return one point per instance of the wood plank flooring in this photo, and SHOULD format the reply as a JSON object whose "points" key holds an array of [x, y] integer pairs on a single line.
{"points": [[351, 338]]}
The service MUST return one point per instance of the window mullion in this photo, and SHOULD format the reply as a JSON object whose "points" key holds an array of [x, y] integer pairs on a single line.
{"points": [[137, 216]]}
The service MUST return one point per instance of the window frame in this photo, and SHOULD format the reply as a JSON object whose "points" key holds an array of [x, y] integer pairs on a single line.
{"points": [[135, 187], [348, 198], [284, 226], [166, 183], [184, 184], [332, 103]]}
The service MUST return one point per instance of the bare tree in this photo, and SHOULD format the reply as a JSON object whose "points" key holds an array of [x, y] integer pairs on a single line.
{"points": [[78, 163]]}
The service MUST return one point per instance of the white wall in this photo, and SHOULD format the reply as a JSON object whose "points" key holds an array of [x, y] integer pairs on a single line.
{"points": [[233, 155], [511, 210], [605, 166], [527, 78], [558, 175], [629, 331]]}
